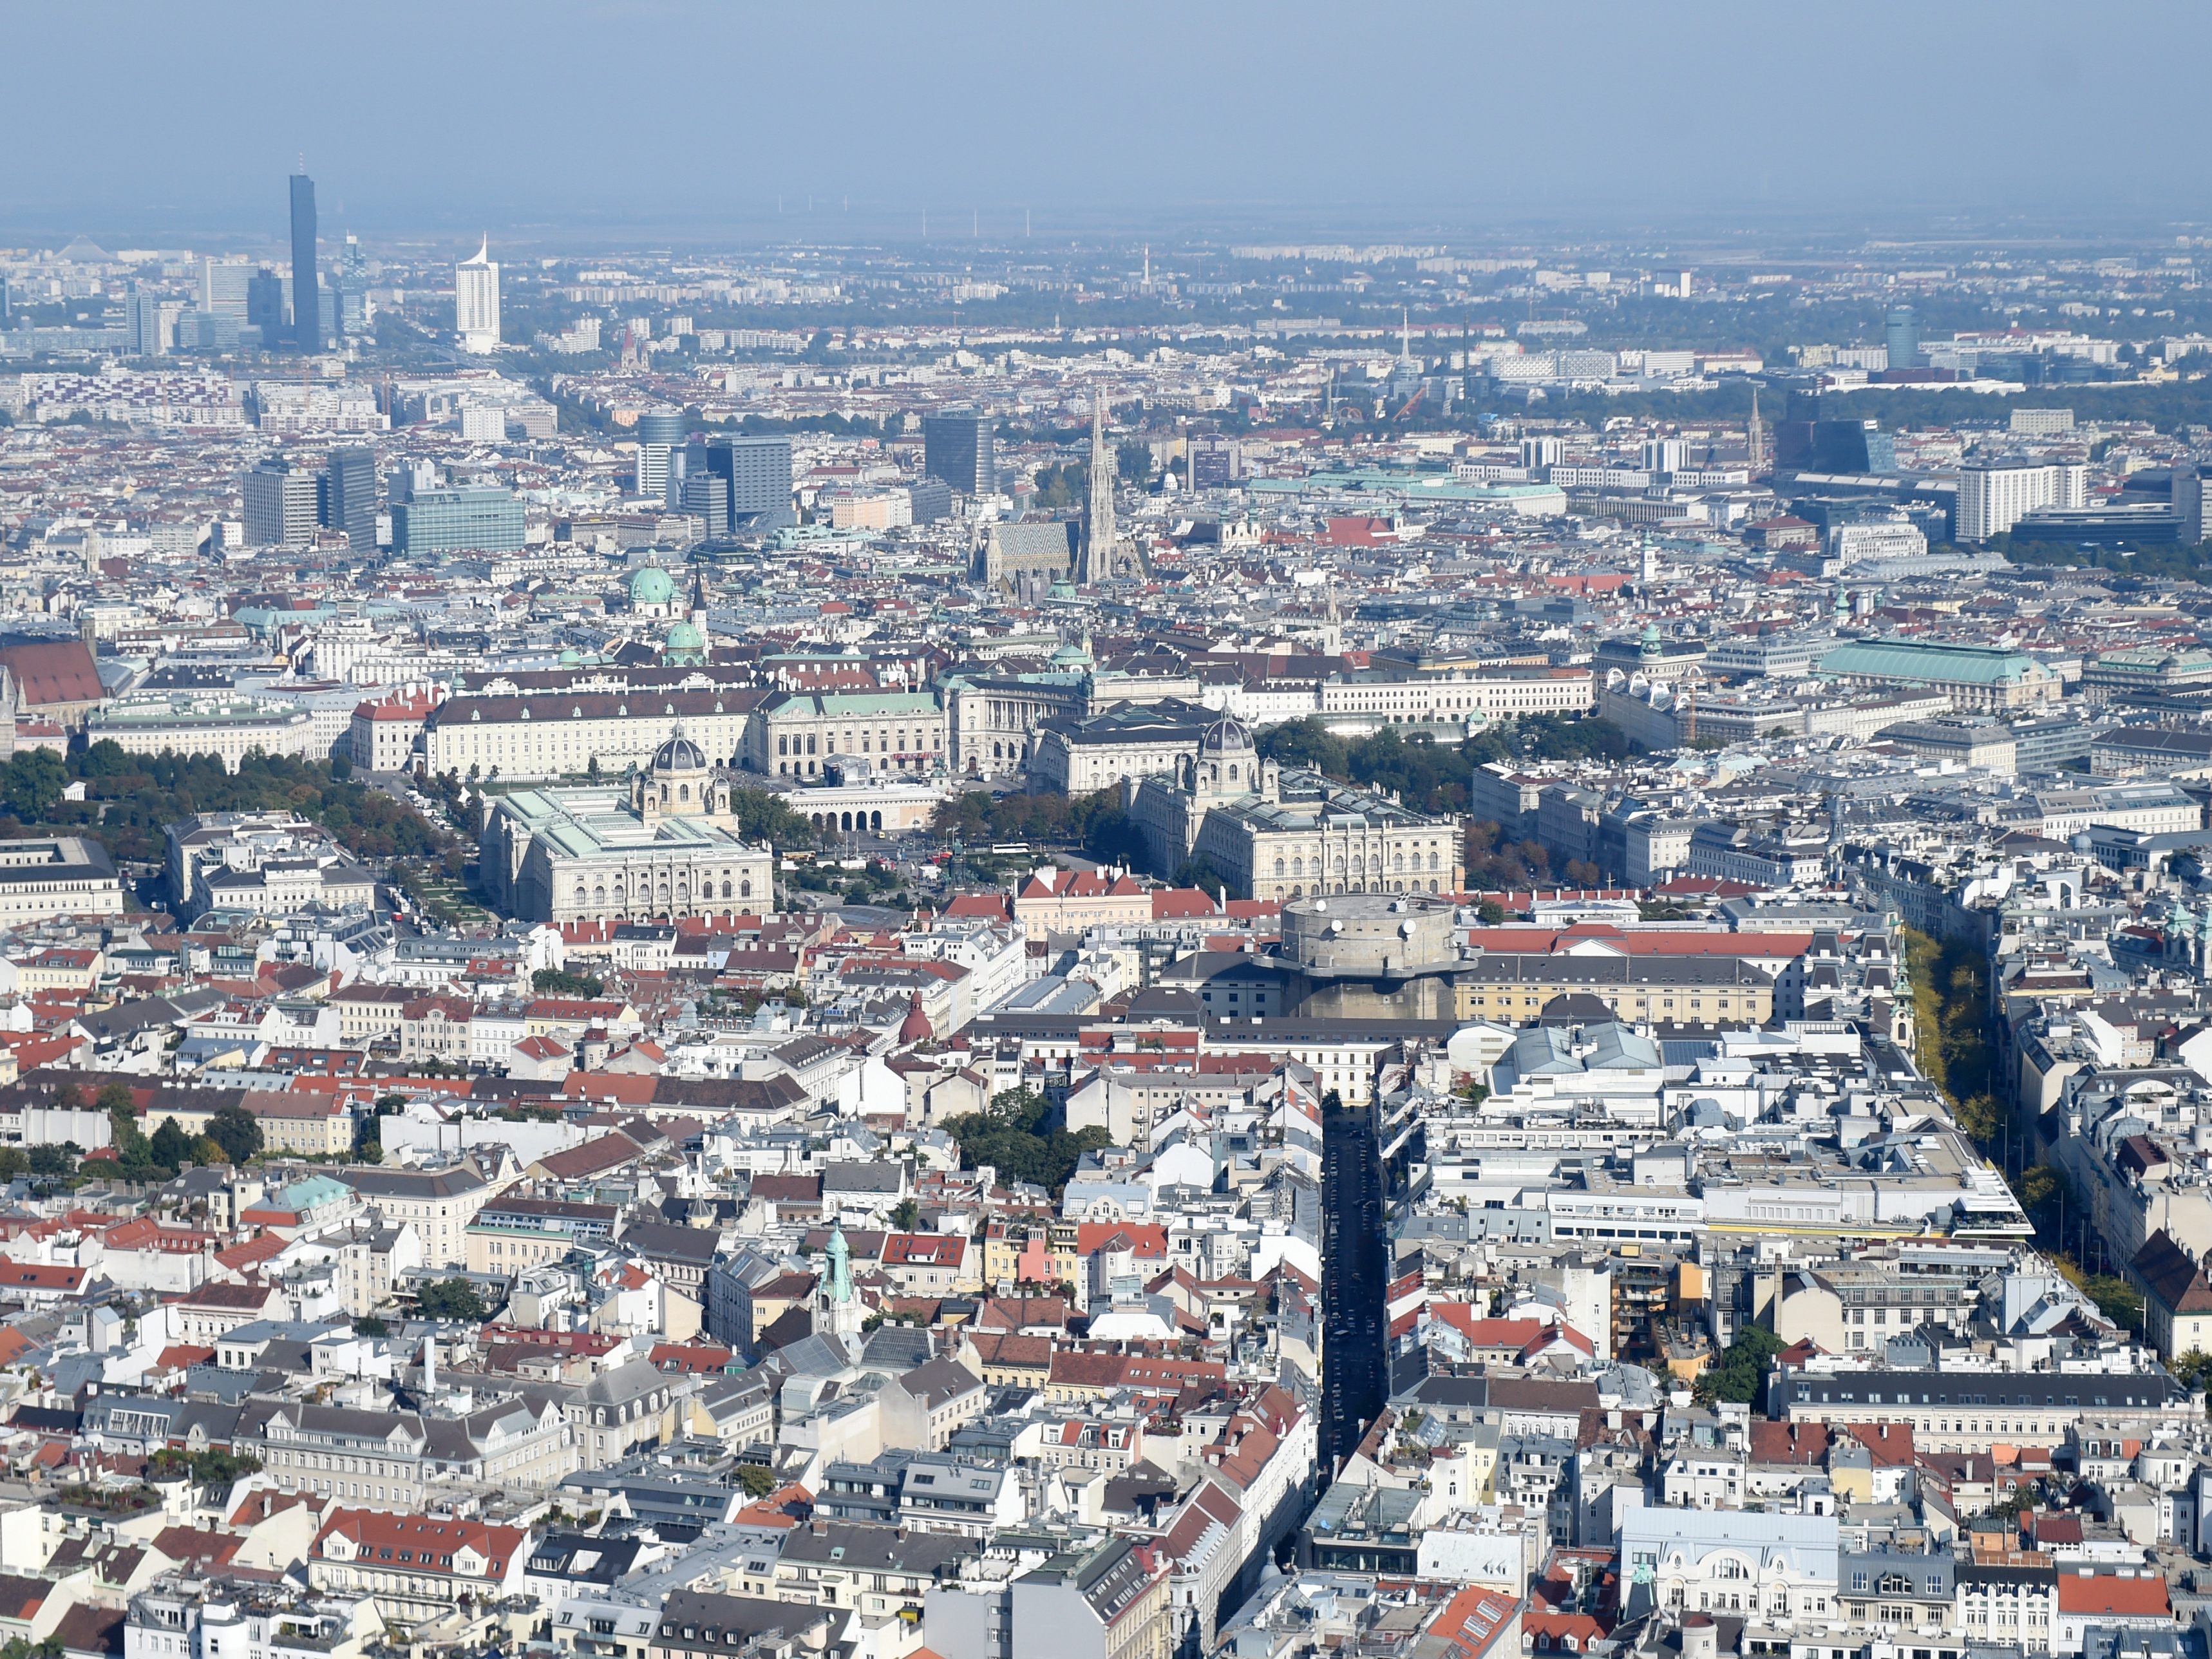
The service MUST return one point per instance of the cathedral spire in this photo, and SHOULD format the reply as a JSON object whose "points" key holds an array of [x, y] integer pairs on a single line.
{"points": [[1098, 532]]}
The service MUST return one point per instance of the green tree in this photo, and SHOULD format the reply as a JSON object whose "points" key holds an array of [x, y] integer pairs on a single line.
{"points": [[2117, 1300], [237, 1132], [1132, 459], [904, 1214], [169, 1145], [370, 1325], [113, 1098], [452, 1299], [1741, 1371], [50, 1160], [123, 1131], [553, 983], [756, 1482], [1009, 1134], [33, 784]]}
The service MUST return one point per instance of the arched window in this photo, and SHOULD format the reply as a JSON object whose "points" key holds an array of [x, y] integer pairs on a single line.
{"points": [[683, 791], [745, 889], [726, 889], [599, 894], [783, 745], [1282, 868], [1232, 771], [876, 823], [1436, 862]]}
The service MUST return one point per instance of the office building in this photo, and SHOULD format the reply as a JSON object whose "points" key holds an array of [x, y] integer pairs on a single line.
{"points": [[2188, 499], [264, 305], [1903, 330], [706, 496], [476, 301], [475, 519], [223, 285], [349, 293], [1835, 447], [1665, 455], [306, 309], [928, 500], [1994, 495], [960, 446], [661, 465], [144, 323], [6, 306], [758, 471], [1216, 462], [280, 505], [349, 495]]}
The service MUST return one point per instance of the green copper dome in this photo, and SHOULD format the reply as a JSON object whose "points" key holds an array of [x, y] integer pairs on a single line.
{"points": [[651, 586]]}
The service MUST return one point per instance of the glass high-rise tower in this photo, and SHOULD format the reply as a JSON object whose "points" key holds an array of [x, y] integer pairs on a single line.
{"points": [[960, 446], [307, 294]]}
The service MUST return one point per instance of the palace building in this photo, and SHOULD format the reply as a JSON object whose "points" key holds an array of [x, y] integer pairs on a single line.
{"points": [[663, 843], [1274, 835]]}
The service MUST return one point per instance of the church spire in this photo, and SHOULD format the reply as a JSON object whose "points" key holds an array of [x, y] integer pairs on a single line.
{"points": [[1098, 533]]}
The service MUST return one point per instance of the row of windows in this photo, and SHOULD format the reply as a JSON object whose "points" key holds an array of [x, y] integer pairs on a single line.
{"points": [[743, 889], [790, 744], [1296, 866]]}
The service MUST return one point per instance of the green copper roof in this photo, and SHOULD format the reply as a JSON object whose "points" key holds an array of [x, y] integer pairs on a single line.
{"points": [[1930, 659]]}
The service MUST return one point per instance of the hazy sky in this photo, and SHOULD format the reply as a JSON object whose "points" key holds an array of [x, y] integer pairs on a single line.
{"points": [[133, 119]]}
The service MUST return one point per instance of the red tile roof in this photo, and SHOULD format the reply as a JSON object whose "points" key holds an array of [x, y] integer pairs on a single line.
{"points": [[2107, 1595], [433, 1544]]}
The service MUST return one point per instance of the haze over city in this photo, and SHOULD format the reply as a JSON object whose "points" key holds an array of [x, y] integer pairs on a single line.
{"points": [[982, 832]]}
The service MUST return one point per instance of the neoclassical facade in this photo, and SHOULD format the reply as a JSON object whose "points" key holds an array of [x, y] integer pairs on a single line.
{"points": [[1277, 835], [663, 843]]}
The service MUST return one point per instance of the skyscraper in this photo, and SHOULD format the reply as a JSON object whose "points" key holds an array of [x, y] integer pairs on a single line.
{"points": [[306, 302], [758, 473], [349, 494], [265, 307], [1903, 329], [476, 301], [960, 446], [144, 315], [280, 505], [660, 450], [224, 284], [349, 292], [1098, 556]]}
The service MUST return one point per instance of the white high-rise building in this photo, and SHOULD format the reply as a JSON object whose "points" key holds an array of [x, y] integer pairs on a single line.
{"points": [[476, 301], [1994, 495]]}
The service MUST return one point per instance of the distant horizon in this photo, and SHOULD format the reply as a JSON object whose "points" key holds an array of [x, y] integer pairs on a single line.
{"points": [[686, 122], [1795, 234]]}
